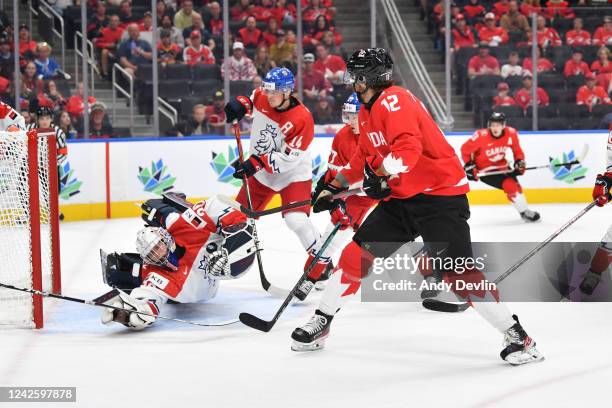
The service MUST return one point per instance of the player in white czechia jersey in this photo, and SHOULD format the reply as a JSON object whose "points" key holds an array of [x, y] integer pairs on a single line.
{"points": [[279, 161], [603, 255]]}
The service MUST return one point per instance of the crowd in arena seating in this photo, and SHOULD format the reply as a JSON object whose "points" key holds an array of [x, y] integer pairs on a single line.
{"points": [[189, 42], [493, 66]]}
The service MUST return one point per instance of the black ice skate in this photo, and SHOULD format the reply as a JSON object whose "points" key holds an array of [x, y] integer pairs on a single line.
{"points": [[304, 289], [430, 293], [312, 335], [589, 282], [519, 348], [530, 216], [322, 281]]}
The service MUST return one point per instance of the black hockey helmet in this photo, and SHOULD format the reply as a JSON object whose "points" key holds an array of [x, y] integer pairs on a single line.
{"points": [[44, 111], [498, 117], [370, 66]]}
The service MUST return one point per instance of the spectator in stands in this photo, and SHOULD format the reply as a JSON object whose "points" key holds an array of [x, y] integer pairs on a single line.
{"points": [[602, 64], [216, 114], [547, 36], [463, 35], [483, 63], [558, 9], [592, 94], [512, 68], [175, 34], [474, 12], [60, 5], [513, 21], [332, 66], [250, 35], [523, 95], [7, 61], [184, 17], [575, 65], [125, 14], [54, 95], [29, 81], [97, 22], [528, 7], [99, 124], [65, 123], [168, 52], [320, 27], [315, 9], [46, 67], [329, 40], [75, 105], [241, 10], [146, 28], [196, 52], [195, 125], [257, 82], [133, 51], [500, 8], [269, 35], [578, 36], [198, 25], [502, 98], [214, 19], [281, 51], [27, 47], [544, 64], [285, 13], [163, 10], [314, 83], [492, 34], [107, 43], [264, 11], [241, 68], [603, 35], [323, 111], [262, 60]]}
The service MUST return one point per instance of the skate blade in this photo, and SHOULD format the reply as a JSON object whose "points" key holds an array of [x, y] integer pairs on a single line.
{"points": [[318, 344], [525, 357]]}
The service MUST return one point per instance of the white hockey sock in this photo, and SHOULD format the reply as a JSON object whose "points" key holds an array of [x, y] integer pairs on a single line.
{"points": [[520, 202], [300, 224], [496, 313], [332, 299], [337, 243]]}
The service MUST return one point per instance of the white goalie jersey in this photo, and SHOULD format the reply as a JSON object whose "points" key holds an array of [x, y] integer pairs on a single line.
{"points": [[10, 119]]}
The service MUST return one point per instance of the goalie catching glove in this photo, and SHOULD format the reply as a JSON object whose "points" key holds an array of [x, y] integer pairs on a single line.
{"points": [[129, 318]]}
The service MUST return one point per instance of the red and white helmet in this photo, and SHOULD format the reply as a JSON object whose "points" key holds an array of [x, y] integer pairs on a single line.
{"points": [[154, 244]]}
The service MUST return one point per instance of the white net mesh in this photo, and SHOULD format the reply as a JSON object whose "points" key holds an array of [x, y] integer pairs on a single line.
{"points": [[16, 308]]}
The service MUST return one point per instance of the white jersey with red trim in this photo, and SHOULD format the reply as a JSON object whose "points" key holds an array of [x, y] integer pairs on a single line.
{"points": [[281, 139], [197, 232], [9, 116]]}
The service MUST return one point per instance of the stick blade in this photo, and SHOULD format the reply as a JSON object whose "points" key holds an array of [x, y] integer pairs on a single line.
{"points": [[439, 306], [255, 322]]}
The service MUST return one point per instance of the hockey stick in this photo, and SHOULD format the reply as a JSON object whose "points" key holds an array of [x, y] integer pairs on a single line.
{"points": [[98, 304], [578, 160], [297, 204], [264, 281], [265, 325], [441, 306]]}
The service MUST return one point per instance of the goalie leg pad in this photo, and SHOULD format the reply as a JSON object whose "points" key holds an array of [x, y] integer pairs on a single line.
{"points": [[121, 271]]}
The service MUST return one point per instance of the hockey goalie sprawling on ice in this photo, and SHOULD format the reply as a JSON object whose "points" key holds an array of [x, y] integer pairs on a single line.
{"points": [[603, 256], [183, 253]]}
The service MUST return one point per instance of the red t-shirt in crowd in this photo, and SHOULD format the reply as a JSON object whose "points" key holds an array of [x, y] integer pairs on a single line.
{"points": [[590, 97], [602, 36], [544, 65], [463, 38], [333, 62], [487, 34], [477, 62], [578, 37], [571, 68], [523, 97], [503, 101], [250, 38]]}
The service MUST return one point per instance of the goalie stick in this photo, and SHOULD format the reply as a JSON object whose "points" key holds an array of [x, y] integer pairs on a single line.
{"points": [[266, 325], [106, 296], [441, 306]]}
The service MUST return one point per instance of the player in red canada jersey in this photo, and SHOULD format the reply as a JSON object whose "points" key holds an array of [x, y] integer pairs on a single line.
{"points": [[603, 255], [407, 164], [355, 207], [486, 151], [280, 161], [183, 253]]}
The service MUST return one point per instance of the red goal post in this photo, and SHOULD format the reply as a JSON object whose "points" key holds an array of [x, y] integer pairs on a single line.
{"points": [[29, 224]]}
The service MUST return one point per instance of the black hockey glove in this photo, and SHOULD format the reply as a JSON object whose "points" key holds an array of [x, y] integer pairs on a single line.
{"points": [[375, 186], [471, 171], [155, 211], [321, 197], [519, 167], [237, 108], [249, 167]]}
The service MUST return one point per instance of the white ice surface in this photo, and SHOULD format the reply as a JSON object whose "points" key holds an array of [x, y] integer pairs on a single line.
{"points": [[378, 355]]}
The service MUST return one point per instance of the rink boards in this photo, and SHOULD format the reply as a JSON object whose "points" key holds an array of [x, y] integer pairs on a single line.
{"points": [[105, 178]]}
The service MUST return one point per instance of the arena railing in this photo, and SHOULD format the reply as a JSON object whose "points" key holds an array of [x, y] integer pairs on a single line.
{"points": [[45, 8], [129, 94], [91, 60], [168, 111]]}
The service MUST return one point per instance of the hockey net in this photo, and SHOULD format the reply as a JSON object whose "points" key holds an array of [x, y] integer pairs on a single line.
{"points": [[29, 232]]}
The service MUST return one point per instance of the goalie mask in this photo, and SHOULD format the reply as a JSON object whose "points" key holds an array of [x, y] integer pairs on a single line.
{"points": [[155, 246], [237, 254]]}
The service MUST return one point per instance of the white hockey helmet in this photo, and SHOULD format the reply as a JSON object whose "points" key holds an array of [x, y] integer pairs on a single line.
{"points": [[154, 245]]}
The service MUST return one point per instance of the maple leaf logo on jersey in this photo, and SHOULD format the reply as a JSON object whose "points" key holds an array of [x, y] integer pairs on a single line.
{"points": [[266, 143]]}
